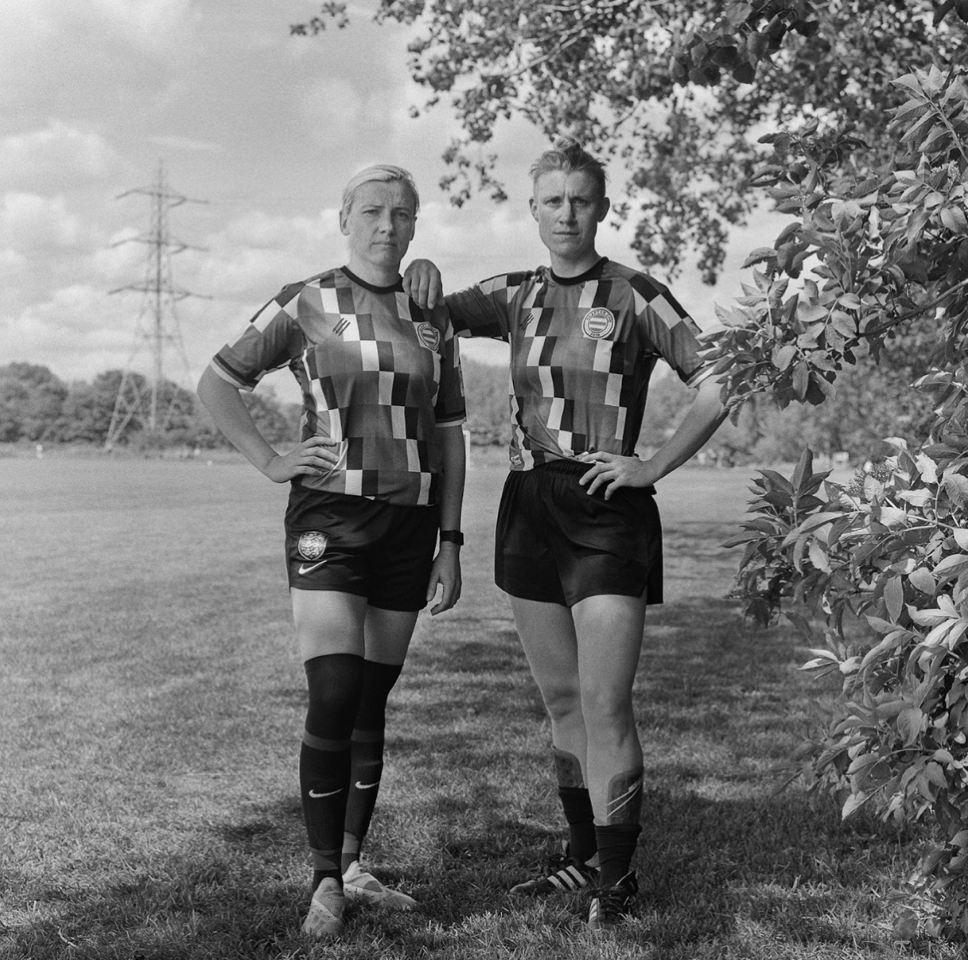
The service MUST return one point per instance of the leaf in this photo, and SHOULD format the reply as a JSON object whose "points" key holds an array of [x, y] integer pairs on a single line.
{"points": [[928, 468], [954, 219], [909, 722], [809, 313], [922, 580], [889, 709], [894, 597], [758, 44], [804, 470], [935, 774], [892, 516], [942, 10], [850, 300], [928, 618], [961, 537], [826, 655], [917, 498], [954, 560], [873, 487], [818, 557], [956, 486], [759, 255], [783, 356], [854, 802]]}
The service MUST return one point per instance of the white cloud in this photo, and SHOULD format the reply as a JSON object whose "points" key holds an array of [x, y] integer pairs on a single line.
{"points": [[31, 223], [192, 145], [257, 253], [54, 157], [264, 231], [71, 332], [120, 262], [11, 263], [147, 24], [334, 109]]}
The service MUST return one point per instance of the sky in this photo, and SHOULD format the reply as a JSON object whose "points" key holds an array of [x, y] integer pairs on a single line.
{"points": [[264, 129]]}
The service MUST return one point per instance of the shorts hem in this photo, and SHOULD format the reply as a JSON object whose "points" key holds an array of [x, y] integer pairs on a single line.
{"points": [[570, 602], [396, 608]]}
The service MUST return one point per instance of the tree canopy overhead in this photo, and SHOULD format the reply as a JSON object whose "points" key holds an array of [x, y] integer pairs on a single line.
{"points": [[631, 78]]}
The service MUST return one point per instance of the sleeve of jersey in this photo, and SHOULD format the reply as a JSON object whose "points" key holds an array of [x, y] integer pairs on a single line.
{"points": [[270, 340], [484, 309], [671, 330], [450, 409]]}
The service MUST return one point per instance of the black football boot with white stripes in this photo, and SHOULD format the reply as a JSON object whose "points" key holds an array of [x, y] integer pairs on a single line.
{"points": [[564, 874], [611, 905]]}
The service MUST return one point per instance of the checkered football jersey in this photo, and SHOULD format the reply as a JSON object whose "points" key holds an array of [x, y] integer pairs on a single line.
{"points": [[375, 372], [582, 352]]}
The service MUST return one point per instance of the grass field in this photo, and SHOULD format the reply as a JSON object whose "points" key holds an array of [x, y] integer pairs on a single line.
{"points": [[151, 704]]}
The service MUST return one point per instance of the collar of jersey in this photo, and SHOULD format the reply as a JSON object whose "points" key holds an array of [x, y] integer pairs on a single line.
{"points": [[397, 285], [582, 277]]}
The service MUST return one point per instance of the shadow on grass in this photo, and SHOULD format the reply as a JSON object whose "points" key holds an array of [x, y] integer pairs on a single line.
{"points": [[703, 866], [779, 863]]}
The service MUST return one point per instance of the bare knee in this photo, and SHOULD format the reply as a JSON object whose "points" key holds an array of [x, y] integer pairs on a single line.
{"points": [[608, 714], [563, 702]]}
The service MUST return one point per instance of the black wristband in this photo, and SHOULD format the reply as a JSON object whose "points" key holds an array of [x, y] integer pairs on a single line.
{"points": [[452, 536]]}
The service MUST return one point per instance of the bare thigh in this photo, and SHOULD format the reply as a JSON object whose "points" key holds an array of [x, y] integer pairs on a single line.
{"points": [[547, 634], [328, 622], [609, 631]]}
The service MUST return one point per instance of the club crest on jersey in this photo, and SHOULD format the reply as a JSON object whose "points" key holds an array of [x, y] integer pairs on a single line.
{"points": [[311, 545], [429, 336], [598, 323]]}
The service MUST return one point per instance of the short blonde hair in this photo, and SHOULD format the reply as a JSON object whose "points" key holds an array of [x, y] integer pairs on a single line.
{"points": [[379, 173], [568, 155]]}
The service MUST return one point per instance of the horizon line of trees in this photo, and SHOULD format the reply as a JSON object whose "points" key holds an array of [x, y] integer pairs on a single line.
{"points": [[36, 406]]}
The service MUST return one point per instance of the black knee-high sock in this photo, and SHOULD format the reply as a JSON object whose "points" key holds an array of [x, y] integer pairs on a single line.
{"points": [[576, 804], [335, 684], [366, 752], [618, 837]]}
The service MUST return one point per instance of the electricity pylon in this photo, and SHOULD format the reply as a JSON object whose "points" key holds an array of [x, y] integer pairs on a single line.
{"points": [[157, 329]]}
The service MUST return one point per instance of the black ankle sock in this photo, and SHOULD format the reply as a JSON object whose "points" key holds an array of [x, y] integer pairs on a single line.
{"points": [[577, 807], [616, 847]]}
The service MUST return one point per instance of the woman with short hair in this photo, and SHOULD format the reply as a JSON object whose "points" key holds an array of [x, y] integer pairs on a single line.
{"points": [[376, 480], [578, 544]]}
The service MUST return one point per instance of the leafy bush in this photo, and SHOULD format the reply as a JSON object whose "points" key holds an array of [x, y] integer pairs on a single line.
{"points": [[882, 560]]}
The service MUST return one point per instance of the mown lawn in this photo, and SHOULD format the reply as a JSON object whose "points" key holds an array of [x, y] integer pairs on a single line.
{"points": [[150, 709]]}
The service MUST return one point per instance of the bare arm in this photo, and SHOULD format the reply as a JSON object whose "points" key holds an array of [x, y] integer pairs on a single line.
{"points": [[446, 569], [224, 402], [700, 422]]}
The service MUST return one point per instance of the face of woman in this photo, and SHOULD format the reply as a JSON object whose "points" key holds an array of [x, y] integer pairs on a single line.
{"points": [[379, 225], [568, 207]]}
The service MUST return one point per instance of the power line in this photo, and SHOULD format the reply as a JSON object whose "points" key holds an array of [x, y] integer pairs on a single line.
{"points": [[157, 329]]}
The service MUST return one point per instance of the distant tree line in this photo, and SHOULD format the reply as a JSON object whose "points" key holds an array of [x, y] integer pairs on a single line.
{"points": [[36, 406]]}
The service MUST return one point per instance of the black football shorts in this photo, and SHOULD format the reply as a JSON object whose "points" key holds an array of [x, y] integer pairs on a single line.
{"points": [[370, 548], [556, 544]]}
